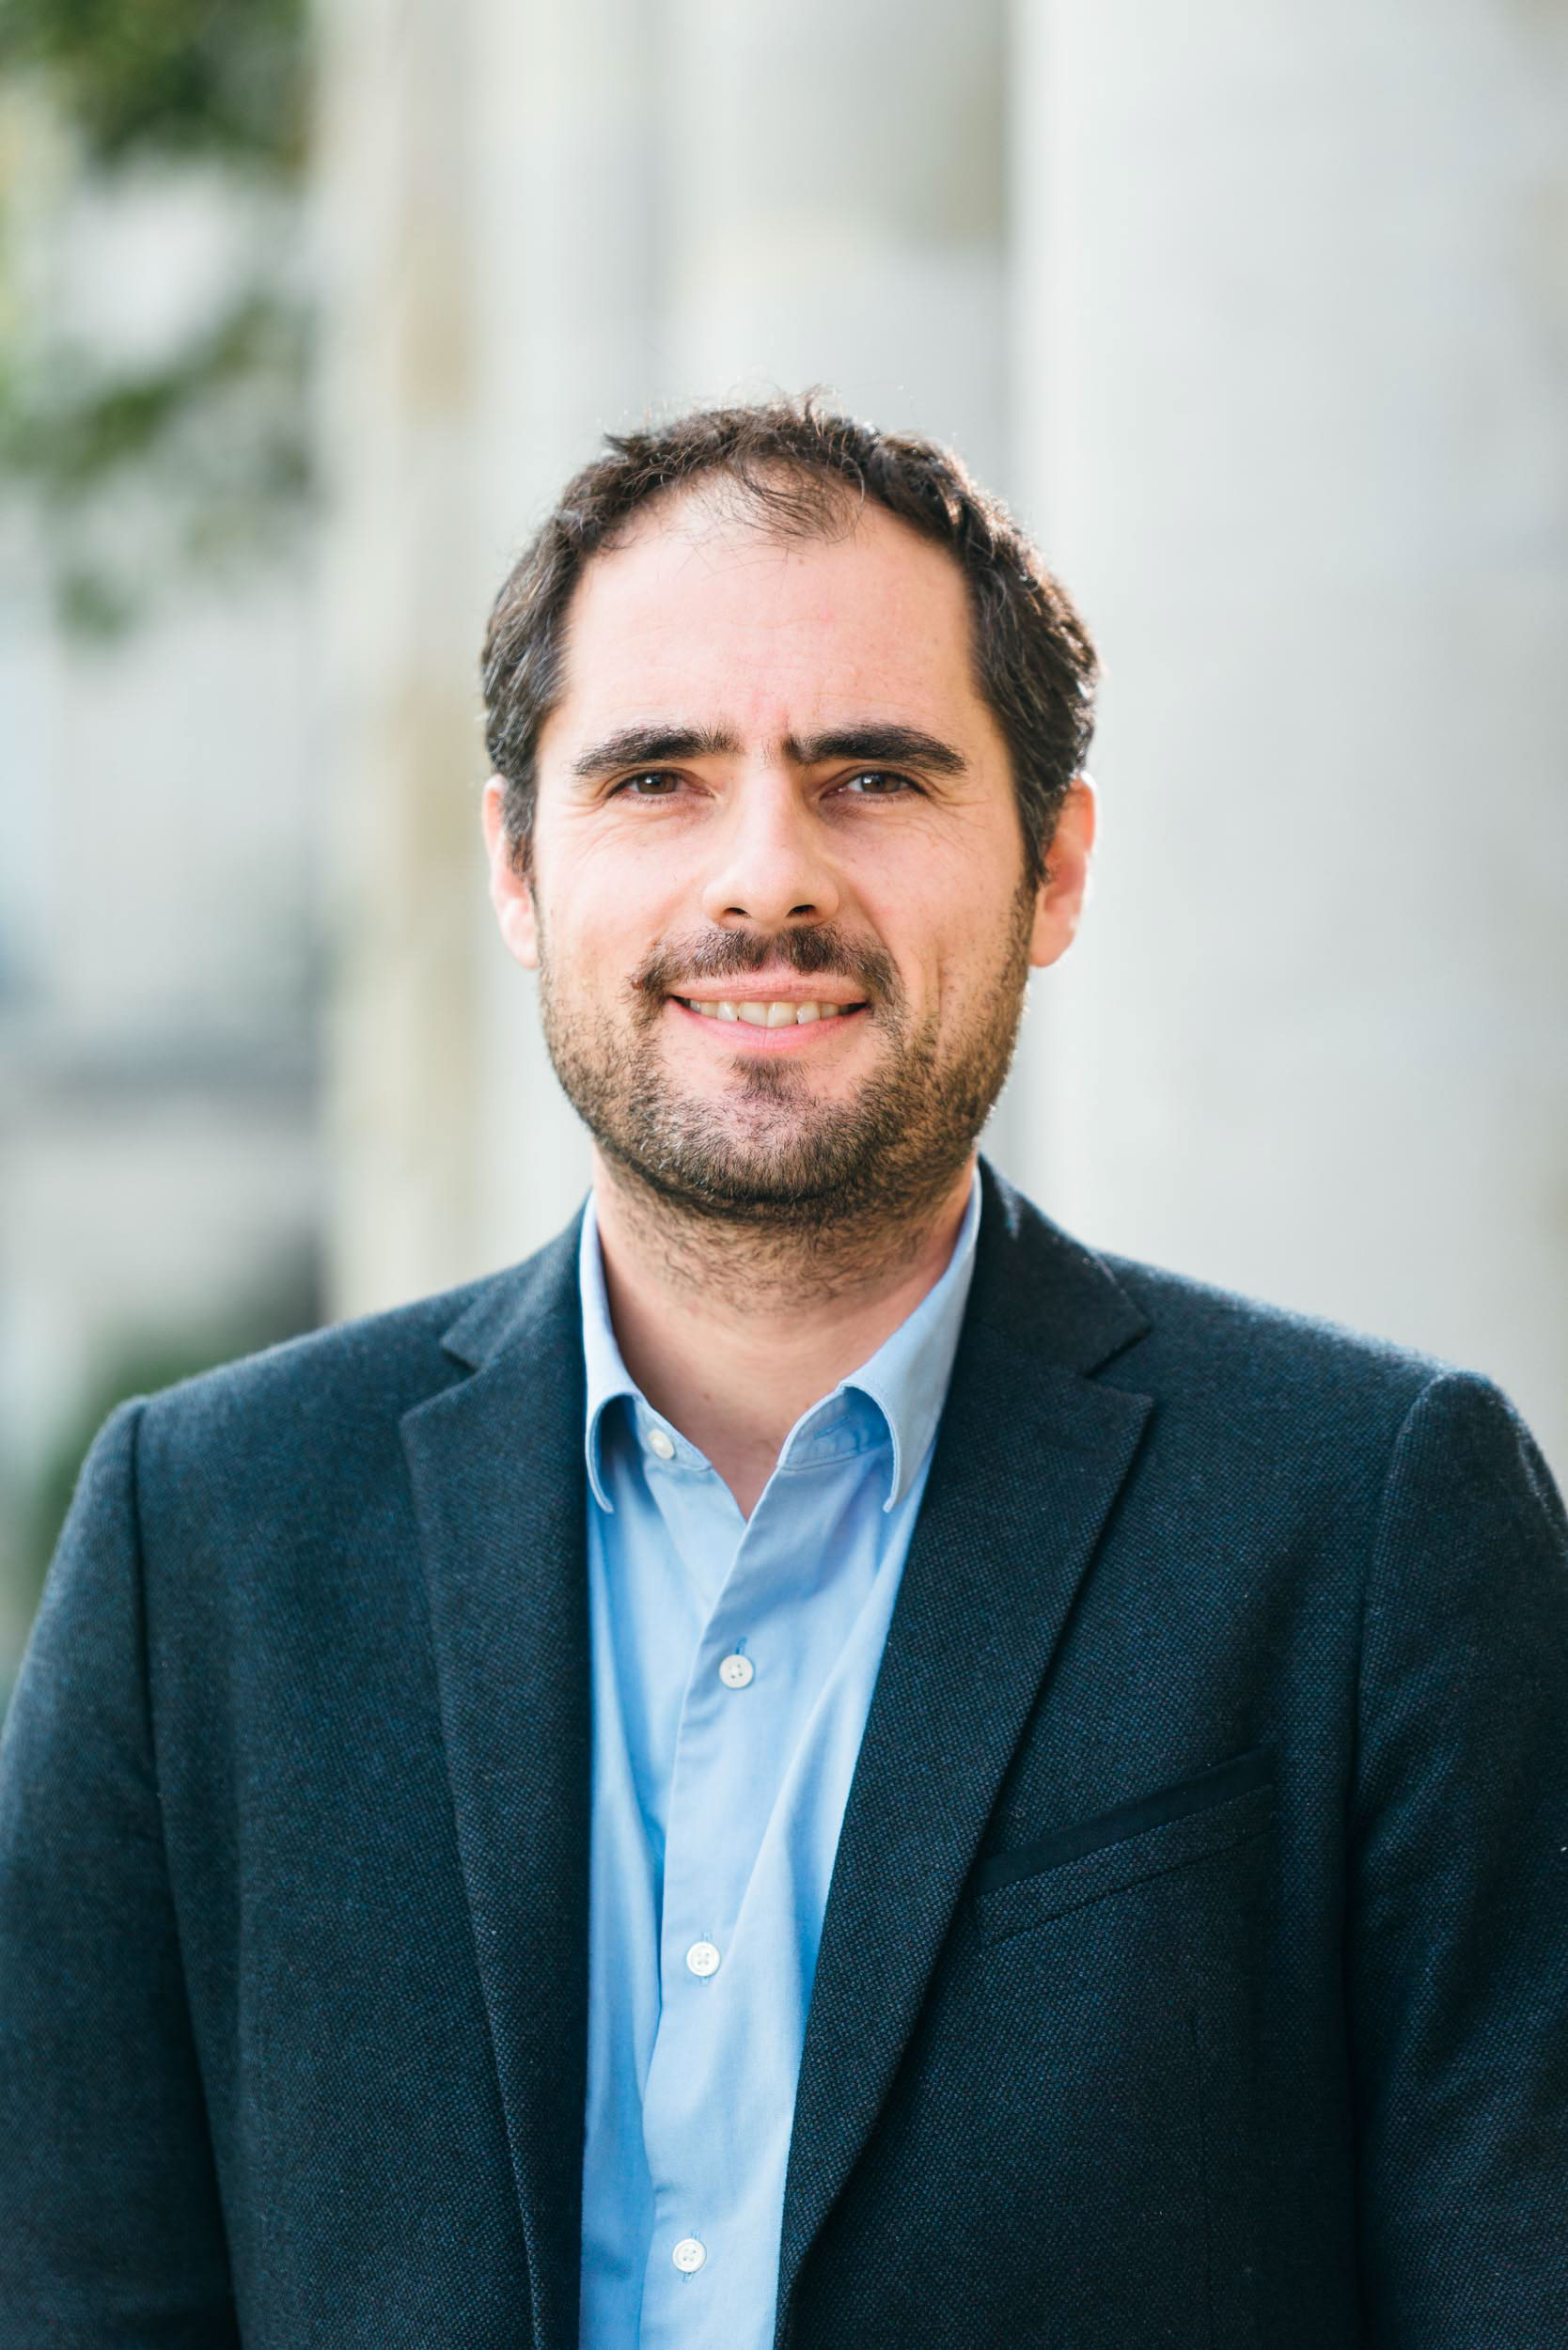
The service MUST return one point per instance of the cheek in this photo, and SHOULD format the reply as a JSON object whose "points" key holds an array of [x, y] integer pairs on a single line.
{"points": [[591, 942], [972, 956], [606, 903], [936, 931]]}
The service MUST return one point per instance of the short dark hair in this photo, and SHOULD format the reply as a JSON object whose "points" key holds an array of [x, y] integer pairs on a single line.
{"points": [[798, 467]]}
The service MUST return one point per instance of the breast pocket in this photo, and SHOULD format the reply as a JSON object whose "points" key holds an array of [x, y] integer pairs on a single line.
{"points": [[1172, 1828]]}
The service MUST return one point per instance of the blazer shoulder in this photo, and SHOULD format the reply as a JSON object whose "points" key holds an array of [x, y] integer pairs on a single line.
{"points": [[341, 1387], [335, 1382], [1232, 1345]]}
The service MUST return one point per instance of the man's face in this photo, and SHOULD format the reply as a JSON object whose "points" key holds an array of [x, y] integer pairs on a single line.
{"points": [[776, 887]]}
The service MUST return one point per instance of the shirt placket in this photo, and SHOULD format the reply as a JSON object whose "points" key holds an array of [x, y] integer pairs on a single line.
{"points": [[738, 1722]]}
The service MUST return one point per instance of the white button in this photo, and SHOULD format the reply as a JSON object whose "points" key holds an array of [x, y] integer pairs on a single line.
{"points": [[689, 2255], [736, 1671], [664, 1446], [702, 1959]]}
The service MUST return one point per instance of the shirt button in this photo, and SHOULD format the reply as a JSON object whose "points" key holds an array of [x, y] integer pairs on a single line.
{"points": [[703, 1959], [664, 1446], [689, 2255], [736, 1671]]}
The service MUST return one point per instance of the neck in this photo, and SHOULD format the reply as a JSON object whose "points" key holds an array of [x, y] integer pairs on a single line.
{"points": [[733, 1333]]}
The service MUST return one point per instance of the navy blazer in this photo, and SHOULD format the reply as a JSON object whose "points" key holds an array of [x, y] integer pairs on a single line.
{"points": [[1196, 1964]]}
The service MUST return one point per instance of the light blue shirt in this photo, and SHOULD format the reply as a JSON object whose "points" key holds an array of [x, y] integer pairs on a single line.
{"points": [[733, 1662]]}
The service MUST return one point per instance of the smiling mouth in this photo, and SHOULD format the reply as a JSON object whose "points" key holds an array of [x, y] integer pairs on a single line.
{"points": [[774, 1014]]}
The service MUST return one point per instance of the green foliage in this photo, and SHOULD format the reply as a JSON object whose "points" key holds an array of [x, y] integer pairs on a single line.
{"points": [[170, 78], [208, 448], [215, 437], [75, 431]]}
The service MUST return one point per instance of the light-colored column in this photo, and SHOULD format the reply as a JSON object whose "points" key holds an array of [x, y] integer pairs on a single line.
{"points": [[1291, 399], [487, 267], [837, 182], [400, 608]]}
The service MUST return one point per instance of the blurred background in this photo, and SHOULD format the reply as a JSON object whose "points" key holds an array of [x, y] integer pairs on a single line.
{"points": [[1258, 314]]}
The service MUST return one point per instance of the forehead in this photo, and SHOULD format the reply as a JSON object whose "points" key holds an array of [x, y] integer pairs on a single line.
{"points": [[702, 614]]}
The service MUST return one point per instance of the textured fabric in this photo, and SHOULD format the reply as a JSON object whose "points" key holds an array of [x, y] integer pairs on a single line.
{"points": [[716, 1810], [295, 1810]]}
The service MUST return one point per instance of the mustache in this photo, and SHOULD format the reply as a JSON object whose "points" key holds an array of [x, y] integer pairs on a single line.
{"points": [[718, 954]]}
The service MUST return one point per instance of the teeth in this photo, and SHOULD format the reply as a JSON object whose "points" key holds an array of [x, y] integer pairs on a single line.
{"points": [[759, 1016]]}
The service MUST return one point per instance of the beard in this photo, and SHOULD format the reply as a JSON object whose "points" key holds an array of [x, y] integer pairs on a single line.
{"points": [[769, 1155]]}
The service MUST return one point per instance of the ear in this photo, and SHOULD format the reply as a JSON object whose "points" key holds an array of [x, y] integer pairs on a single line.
{"points": [[1059, 900], [510, 891]]}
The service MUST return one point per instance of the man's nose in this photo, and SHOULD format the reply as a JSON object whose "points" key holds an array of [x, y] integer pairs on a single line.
{"points": [[771, 867]]}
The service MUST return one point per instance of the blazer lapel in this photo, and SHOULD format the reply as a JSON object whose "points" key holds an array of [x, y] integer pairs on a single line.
{"points": [[496, 1463], [1030, 1458]]}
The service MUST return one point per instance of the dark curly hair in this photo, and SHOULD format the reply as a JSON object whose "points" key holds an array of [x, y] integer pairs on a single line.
{"points": [[802, 471]]}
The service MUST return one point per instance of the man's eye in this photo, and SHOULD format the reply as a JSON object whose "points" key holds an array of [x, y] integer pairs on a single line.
{"points": [[876, 783], [652, 785]]}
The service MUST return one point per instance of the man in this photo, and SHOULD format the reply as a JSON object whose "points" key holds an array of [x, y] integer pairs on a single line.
{"points": [[816, 1764]]}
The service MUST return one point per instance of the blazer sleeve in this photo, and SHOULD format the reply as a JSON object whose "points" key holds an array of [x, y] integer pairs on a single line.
{"points": [[111, 2236], [1457, 1925]]}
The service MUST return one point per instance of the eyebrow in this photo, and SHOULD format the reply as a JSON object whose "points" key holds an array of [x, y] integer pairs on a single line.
{"points": [[650, 746], [881, 745]]}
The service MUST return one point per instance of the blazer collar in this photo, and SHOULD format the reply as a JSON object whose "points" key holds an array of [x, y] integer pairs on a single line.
{"points": [[1043, 1293], [496, 1463], [511, 1309]]}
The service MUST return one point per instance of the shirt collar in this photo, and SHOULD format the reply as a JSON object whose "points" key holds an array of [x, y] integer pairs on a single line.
{"points": [[907, 1378]]}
